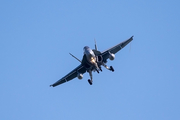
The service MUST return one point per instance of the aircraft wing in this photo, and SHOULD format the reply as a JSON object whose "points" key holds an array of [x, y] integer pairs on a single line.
{"points": [[80, 69], [115, 48]]}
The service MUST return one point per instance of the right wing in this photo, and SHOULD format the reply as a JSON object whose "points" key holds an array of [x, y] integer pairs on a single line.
{"points": [[115, 48], [80, 69]]}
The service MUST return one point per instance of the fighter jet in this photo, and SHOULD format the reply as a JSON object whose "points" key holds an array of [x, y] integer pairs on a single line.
{"points": [[92, 61]]}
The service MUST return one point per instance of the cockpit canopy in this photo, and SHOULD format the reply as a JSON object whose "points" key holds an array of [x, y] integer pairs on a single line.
{"points": [[86, 49]]}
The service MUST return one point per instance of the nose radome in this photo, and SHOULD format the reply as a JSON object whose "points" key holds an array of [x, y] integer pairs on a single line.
{"points": [[86, 47]]}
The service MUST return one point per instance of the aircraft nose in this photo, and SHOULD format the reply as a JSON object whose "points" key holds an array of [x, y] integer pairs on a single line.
{"points": [[86, 50]]}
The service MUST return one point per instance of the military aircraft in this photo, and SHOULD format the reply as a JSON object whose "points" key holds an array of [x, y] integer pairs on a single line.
{"points": [[92, 61]]}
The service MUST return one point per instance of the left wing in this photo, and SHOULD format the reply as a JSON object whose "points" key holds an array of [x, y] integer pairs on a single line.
{"points": [[80, 69], [116, 48]]}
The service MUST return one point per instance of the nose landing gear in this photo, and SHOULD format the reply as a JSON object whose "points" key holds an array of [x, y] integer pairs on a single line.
{"points": [[90, 81]]}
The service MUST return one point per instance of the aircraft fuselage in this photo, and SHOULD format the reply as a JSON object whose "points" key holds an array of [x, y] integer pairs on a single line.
{"points": [[90, 56]]}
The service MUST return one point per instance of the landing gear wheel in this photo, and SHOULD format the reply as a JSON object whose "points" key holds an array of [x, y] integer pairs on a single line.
{"points": [[90, 82], [111, 68]]}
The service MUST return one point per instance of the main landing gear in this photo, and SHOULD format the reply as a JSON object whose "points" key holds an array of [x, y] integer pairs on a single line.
{"points": [[111, 69], [100, 68]]}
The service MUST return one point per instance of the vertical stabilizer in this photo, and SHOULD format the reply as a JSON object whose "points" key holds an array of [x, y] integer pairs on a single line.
{"points": [[95, 44], [75, 58]]}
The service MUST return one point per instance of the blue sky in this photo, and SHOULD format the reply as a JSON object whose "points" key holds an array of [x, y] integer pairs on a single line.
{"points": [[37, 36]]}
